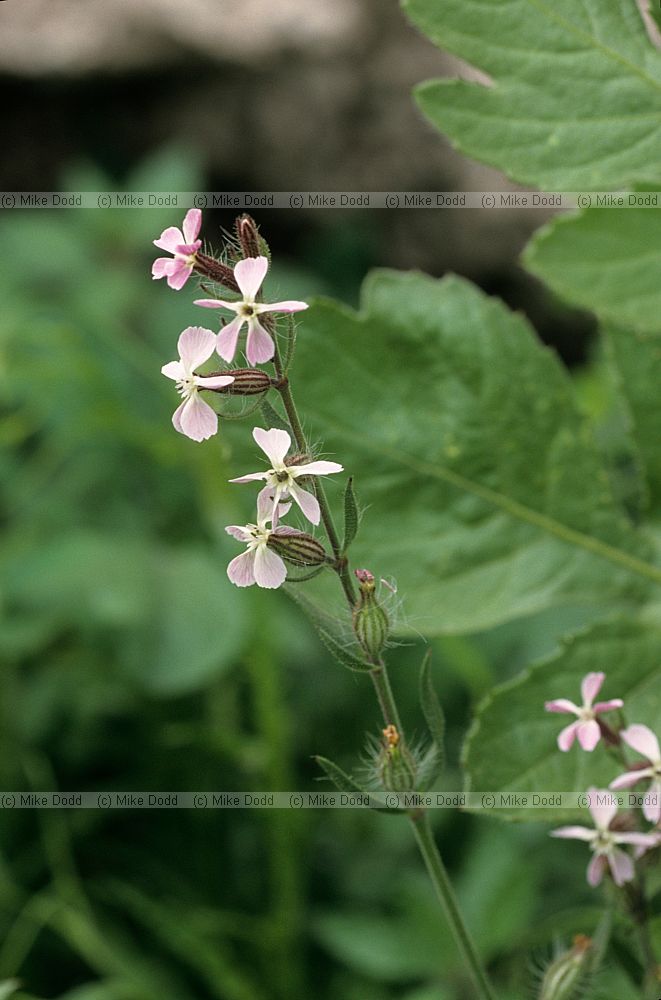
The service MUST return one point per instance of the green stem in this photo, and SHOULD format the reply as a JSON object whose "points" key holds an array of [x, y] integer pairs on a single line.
{"points": [[381, 681], [448, 900]]}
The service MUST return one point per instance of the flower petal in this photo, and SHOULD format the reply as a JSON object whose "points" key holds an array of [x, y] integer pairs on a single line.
{"points": [[259, 343], [289, 306], [562, 705], [307, 502], [198, 420], [567, 736], [591, 685], [192, 224], [603, 807], [275, 444], [607, 706], [652, 807], [642, 740], [621, 866], [227, 338], [241, 570], [316, 469], [213, 381], [270, 571], [249, 274], [252, 477], [596, 869], [216, 304], [176, 417], [573, 833], [179, 274], [196, 345], [169, 239], [174, 370], [639, 839], [239, 532], [163, 266], [630, 778], [588, 734]]}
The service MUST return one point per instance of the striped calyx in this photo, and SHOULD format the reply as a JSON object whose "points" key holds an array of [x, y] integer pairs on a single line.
{"points": [[247, 382], [564, 978], [297, 547], [397, 767], [370, 621]]}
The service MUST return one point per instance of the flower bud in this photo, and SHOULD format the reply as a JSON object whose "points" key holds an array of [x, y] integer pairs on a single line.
{"points": [[248, 235], [247, 382], [297, 547], [370, 622], [397, 769], [217, 271], [564, 976]]}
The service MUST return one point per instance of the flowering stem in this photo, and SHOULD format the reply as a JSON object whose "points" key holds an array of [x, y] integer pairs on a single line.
{"points": [[381, 681], [445, 892], [341, 565], [638, 909]]}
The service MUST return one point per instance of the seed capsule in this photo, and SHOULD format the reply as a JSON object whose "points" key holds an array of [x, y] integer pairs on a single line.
{"points": [[217, 271], [370, 621], [247, 382], [298, 548]]}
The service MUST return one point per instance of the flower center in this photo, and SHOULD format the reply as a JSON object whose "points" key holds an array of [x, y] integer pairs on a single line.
{"points": [[247, 310], [279, 477], [603, 842], [259, 535], [587, 715], [186, 386]]}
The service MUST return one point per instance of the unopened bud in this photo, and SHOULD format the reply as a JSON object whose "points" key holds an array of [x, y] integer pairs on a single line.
{"points": [[247, 382], [300, 458], [397, 769], [563, 976], [217, 271], [297, 548], [370, 622], [248, 234]]}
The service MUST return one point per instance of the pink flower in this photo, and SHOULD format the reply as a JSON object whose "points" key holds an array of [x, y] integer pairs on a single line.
{"points": [[281, 478], [249, 274], [604, 842], [643, 741], [259, 564], [194, 417], [586, 728], [183, 247]]}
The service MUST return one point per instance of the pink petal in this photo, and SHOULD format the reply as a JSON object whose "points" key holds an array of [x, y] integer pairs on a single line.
{"points": [[307, 502], [567, 736], [241, 570], [630, 778], [270, 571], [198, 420], [259, 343], [192, 224], [252, 477], [179, 274], [317, 469], [239, 532], [562, 705], [642, 740], [607, 706], [228, 337], [590, 687], [596, 869], [249, 274], [174, 370], [162, 266], [266, 506], [646, 840], [602, 807], [652, 807], [621, 866], [573, 833], [196, 345], [588, 734], [275, 444], [289, 306], [176, 417], [213, 381], [169, 239], [216, 304]]}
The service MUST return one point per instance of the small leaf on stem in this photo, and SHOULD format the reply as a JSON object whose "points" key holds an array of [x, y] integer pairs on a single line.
{"points": [[351, 515]]}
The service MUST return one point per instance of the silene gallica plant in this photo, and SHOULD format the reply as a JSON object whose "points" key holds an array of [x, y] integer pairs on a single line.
{"points": [[293, 539]]}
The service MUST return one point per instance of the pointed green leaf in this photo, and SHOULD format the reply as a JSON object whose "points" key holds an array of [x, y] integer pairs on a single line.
{"points": [[290, 335], [351, 515], [344, 656], [272, 418], [512, 745], [342, 781], [488, 499], [573, 96], [339, 644], [431, 708], [604, 259]]}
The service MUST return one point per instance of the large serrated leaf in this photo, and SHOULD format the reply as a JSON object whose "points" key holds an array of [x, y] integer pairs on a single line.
{"points": [[604, 259], [487, 499], [576, 95], [512, 746]]}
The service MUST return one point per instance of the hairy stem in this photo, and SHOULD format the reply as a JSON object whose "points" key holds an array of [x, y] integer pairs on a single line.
{"points": [[448, 900]]}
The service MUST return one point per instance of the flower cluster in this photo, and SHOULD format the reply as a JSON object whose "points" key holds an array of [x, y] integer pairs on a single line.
{"points": [[268, 542], [609, 832]]}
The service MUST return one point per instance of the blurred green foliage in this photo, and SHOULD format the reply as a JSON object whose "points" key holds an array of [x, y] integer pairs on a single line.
{"points": [[129, 662]]}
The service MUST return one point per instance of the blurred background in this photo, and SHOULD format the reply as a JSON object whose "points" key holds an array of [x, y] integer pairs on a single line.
{"points": [[128, 660]]}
